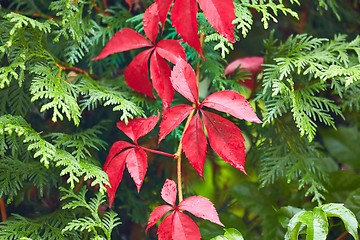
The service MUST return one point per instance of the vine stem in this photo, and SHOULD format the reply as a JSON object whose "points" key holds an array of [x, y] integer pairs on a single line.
{"points": [[158, 152], [177, 155], [3, 209], [342, 236]]}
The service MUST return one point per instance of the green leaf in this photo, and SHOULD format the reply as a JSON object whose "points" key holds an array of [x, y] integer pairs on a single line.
{"points": [[338, 210], [230, 234], [316, 224], [343, 144], [353, 202]]}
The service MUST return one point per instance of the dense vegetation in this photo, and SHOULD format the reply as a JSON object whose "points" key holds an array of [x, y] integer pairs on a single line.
{"points": [[59, 109]]}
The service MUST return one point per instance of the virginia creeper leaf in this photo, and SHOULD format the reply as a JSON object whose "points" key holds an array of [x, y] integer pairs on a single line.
{"points": [[251, 64], [136, 74], [194, 144], [183, 79], [118, 44], [116, 148], [151, 22], [156, 214], [160, 74], [163, 7], [138, 127], [172, 117], [183, 16], [136, 163], [115, 171], [166, 228], [220, 14], [201, 207], [225, 139], [233, 103], [168, 192], [171, 50], [184, 228]]}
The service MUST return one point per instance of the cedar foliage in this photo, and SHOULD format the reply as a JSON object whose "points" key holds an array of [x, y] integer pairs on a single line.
{"points": [[58, 111]]}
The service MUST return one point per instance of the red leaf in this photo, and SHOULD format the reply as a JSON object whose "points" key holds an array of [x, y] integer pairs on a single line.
{"points": [[168, 192], [251, 64], [129, 3], [183, 79], [124, 40], [233, 103], [201, 207], [138, 127], [136, 163], [163, 7], [151, 22], [172, 117], [136, 74], [156, 214], [226, 139], [116, 148], [160, 74], [171, 50], [115, 170], [183, 16], [166, 228], [184, 228], [220, 14], [194, 144]]}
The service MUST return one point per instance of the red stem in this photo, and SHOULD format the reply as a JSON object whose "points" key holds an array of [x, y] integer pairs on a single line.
{"points": [[158, 152], [3, 210]]}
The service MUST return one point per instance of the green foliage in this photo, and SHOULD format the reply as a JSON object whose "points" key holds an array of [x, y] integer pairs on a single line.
{"points": [[316, 222], [45, 227], [48, 153], [90, 219], [299, 70], [230, 234], [58, 108]]}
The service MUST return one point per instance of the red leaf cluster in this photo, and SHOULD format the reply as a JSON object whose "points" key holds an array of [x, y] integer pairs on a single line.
{"points": [[136, 74], [177, 225], [224, 136], [219, 13]]}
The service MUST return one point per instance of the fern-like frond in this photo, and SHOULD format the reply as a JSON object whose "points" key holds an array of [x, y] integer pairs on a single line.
{"points": [[92, 221], [81, 143], [49, 153], [44, 227], [304, 68], [269, 10], [294, 159], [62, 95], [14, 173], [97, 93]]}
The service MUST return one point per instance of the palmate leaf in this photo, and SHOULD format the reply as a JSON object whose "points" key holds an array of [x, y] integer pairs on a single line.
{"points": [[220, 130], [136, 74], [219, 13], [133, 156], [177, 225]]}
